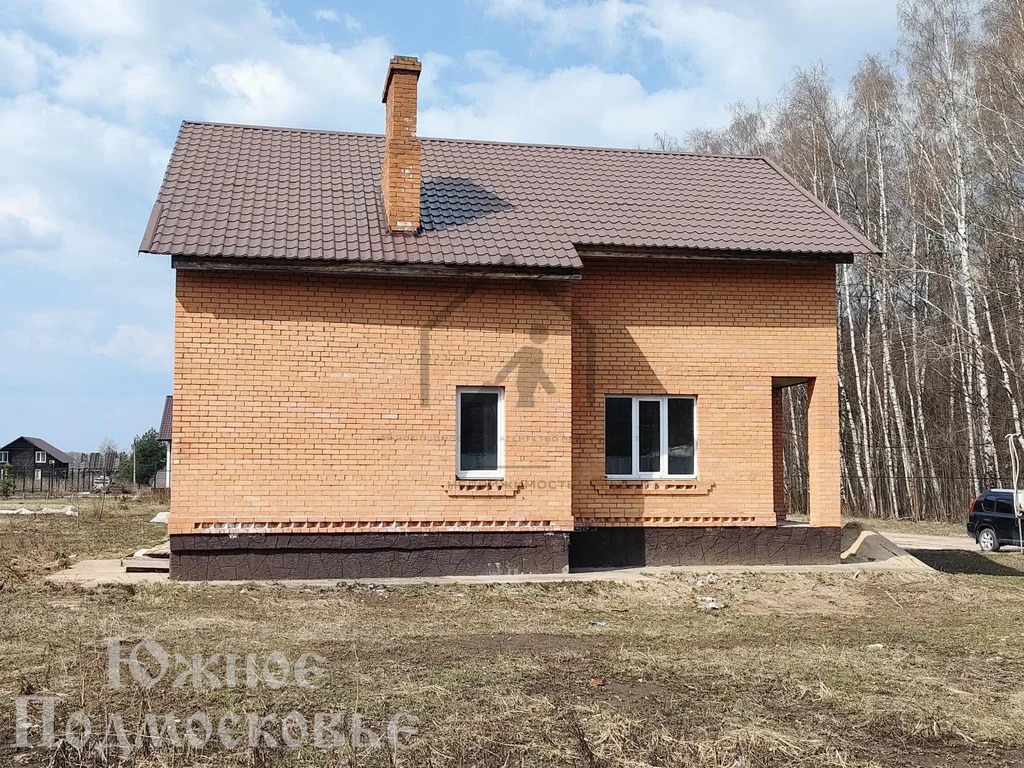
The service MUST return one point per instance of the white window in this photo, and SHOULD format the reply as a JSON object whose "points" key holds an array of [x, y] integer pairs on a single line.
{"points": [[480, 432], [39, 474], [40, 457], [3, 457], [650, 437]]}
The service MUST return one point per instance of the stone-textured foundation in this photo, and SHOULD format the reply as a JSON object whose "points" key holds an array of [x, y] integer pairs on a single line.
{"points": [[213, 557], [200, 557], [769, 545]]}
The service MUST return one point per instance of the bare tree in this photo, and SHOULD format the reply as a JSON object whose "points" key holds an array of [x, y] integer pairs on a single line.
{"points": [[925, 153]]}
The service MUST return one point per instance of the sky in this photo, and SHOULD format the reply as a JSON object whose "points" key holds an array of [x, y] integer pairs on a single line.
{"points": [[92, 93]]}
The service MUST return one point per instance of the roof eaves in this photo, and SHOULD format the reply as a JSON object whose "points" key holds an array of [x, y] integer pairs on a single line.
{"points": [[868, 245], [154, 215], [146, 246], [167, 419], [722, 254], [379, 268]]}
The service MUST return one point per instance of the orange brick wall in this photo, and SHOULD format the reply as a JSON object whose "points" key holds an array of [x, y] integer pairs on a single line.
{"points": [[300, 402], [719, 331]]}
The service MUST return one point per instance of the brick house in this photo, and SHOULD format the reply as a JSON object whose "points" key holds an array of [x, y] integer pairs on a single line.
{"points": [[403, 356]]}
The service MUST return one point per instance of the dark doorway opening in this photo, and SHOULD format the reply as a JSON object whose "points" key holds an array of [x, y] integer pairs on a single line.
{"points": [[790, 456]]}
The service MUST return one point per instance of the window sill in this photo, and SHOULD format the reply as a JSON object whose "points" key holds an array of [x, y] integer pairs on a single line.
{"points": [[483, 488], [656, 487]]}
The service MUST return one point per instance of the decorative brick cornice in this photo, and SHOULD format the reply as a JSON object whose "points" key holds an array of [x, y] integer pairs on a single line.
{"points": [[652, 487], [665, 520], [483, 488], [376, 526]]}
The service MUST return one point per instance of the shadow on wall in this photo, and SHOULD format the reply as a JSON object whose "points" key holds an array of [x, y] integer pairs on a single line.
{"points": [[591, 350], [528, 360], [527, 364], [287, 297]]}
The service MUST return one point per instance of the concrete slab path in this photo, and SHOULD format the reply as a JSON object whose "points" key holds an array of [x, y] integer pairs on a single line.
{"points": [[91, 573], [864, 550]]}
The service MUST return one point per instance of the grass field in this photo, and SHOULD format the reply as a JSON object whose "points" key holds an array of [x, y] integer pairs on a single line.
{"points": [[826, 669], [110, 528]]}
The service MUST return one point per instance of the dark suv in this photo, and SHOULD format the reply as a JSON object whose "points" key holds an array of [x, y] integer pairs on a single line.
{"points": [[992, 522]]}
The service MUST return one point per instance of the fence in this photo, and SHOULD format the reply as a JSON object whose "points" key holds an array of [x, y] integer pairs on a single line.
{"points": [[56, 482]]}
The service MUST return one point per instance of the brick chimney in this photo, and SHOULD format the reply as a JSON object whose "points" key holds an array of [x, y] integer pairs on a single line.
{"points": [[400, 174]]}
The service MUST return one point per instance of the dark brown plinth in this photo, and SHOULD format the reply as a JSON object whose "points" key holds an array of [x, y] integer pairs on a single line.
{"points": [[631, 547], [219, 556]]}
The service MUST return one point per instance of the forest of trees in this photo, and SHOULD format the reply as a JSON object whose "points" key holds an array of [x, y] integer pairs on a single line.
{"points": [[923, 150]]}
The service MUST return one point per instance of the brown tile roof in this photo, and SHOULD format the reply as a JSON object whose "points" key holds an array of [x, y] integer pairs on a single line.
{"points": [[241, 191], [167, 419]]}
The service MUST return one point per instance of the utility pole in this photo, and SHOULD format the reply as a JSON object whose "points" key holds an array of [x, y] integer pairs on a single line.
{"points": [[135, 444]]}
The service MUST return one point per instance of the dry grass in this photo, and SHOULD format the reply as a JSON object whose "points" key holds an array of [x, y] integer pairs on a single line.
{"points": [[111, 528], [789, 673]]}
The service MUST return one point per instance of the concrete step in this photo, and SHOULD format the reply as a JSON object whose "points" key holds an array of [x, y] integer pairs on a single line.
{"points": [[141, 563]]}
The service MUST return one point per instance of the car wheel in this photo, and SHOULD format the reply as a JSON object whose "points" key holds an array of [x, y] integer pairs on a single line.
{"points": [[987, 540]]}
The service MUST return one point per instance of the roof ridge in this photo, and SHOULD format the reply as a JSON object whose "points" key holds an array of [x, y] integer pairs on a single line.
{"points": [[491, 142], [281, 128]]}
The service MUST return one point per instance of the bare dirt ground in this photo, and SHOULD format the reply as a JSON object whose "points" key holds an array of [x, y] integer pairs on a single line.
{"points": [[860, 669]]}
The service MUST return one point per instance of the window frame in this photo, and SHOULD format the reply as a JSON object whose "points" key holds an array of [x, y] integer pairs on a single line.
{"points": [[480, 474], [38, 475], [662, 473], [42, 460], [5, 457]]}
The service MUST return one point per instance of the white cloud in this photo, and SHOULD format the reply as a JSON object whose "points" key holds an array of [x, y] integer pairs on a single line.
{"points": [[50, 331], [307, 85], [352, 24], [575, 105], [22, 60], [145, 62], [715, 45], [738, 49], [139, 347], [25, 224], [72, 186], [255, 91], [106, 81], [713, 56], [96, 19], [609, 22]]}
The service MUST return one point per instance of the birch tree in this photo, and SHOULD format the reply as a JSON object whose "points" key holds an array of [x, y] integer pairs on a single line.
{"points": [[924, 152]]}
